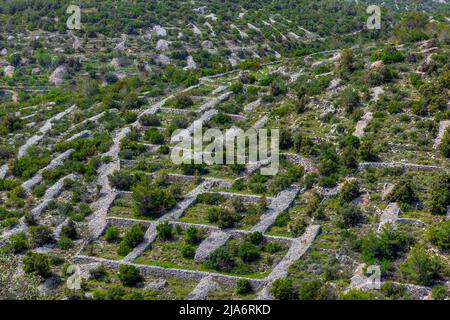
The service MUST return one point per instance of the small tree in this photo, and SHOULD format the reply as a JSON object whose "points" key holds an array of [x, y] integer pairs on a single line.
{"points": [[135, 235], [183, 101], [297, 227], [345, 65]]}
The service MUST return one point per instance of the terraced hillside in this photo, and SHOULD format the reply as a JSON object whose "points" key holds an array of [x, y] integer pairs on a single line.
{"points": [[93, 207]]}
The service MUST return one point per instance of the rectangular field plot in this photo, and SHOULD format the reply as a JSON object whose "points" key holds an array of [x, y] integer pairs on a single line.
{"points": [[238, 257]]}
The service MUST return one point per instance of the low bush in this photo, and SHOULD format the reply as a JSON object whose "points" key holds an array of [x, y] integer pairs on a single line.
{"points": [[220, 260], [283, 289], [36, 263], [165, 231], [243, 286], [129, 275]]}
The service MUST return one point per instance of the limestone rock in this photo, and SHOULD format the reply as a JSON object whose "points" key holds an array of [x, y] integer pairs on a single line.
{"points": [[58, 75], [377, 64], [9, 71], [156, 285], [162, 45]]}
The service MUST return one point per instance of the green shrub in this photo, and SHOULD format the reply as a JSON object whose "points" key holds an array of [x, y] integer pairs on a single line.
{"points": [[129, 275], [440, 195], [349, 191], [18, 243], [255, 237], [395, 291], [9, 222], [123, 249], [210, 198], [423, 268], [283, 289], [248, 252], [41, 235], [134, 236], [150, 120], [114, 293], [389, 55], [310, 290], [188, 251], [243, 286], [183, 101], [273, 247], [367, 151], [388, 245], [112, 234], [350, 215], [223, 217], [122, 180], [99, 273], [355, 294], [282, 219], [65, 243], [297, 227], [220, 260], [36, 263], [165, 231], [154, 136], [192, 235], [349, 99], [69, 230], [151, 199], [439, 292], [444, 146], [164, 149], [440, 235], [402, 192], [131, 239]]}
